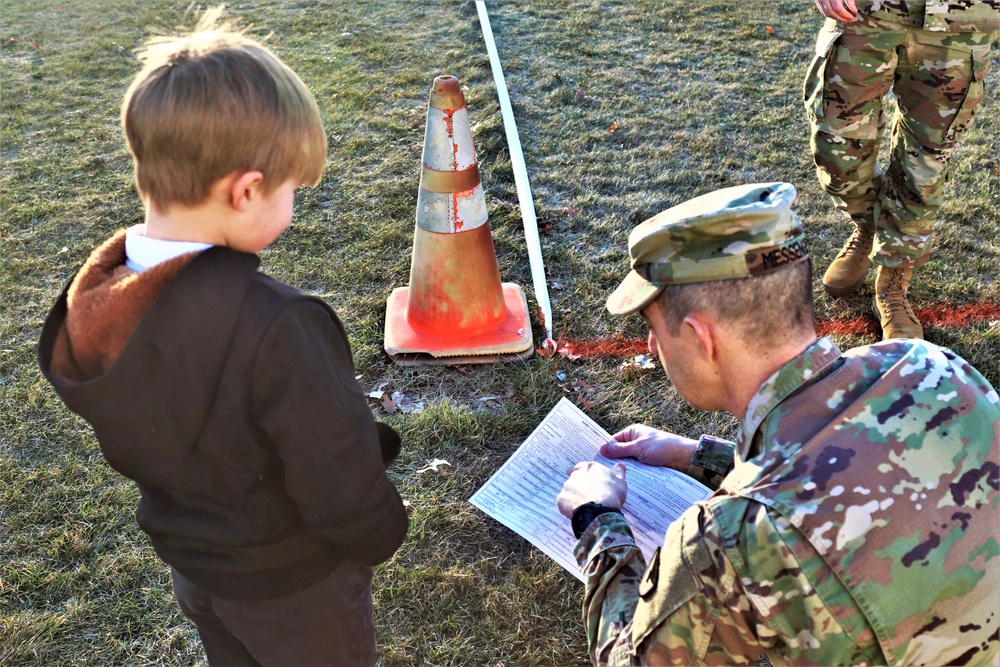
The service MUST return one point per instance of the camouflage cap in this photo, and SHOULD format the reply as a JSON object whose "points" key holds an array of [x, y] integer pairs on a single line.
{"points": [[728, 234]]}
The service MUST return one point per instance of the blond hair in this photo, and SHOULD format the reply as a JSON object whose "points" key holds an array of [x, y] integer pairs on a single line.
{"points": [[212, 103]]}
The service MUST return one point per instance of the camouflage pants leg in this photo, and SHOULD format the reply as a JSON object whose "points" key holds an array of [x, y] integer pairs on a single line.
{"points": [[937, 81]]}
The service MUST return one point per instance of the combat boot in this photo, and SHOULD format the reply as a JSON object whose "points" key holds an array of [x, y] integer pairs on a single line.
{"points": [[894, 312], [847, 271]]}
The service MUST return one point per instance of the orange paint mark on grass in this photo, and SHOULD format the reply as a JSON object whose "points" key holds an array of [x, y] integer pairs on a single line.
{"points": [[941, 315]]}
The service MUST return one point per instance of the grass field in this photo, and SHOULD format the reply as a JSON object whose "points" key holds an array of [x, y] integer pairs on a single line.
{"points": [[624, 107]]}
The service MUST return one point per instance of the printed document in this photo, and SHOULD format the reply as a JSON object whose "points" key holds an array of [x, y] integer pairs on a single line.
{"points": [[522, 493]]}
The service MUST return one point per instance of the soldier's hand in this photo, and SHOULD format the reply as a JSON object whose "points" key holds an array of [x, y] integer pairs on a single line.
{"points": [[651, 446], [591, 482], [842, 10]]}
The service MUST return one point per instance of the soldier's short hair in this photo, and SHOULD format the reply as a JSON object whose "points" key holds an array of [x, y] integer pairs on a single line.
{"points": [[756, 307], [215, 102]]}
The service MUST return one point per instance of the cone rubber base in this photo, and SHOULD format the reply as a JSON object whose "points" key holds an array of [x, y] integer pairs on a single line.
{"points": [[409, 346]]}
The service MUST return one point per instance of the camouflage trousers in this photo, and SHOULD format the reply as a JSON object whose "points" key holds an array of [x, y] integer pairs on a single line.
{"points": [[937, 81]]}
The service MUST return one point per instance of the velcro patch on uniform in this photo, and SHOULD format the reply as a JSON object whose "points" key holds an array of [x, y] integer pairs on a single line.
{"points": [[651, 577], [667, 585]]}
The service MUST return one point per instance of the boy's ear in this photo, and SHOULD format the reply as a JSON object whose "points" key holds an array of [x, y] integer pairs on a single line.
{"points": [[244, 188]]}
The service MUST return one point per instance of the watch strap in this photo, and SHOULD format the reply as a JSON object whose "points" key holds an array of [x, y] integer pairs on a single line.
{"points": [[585, 514]]}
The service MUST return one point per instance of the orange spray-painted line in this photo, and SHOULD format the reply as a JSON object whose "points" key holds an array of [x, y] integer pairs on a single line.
{"points": [[942, 315]]}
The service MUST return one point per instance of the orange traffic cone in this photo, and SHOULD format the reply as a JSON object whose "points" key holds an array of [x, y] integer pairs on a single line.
{"points": [[455, 309]]}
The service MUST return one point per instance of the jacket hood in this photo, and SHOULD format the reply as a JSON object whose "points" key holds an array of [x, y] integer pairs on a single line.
{"points": [[90, 355]]}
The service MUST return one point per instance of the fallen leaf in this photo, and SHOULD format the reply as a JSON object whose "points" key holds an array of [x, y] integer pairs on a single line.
{"points": [[567, 351], [388, 405], [769, 30], [378, 391], [612, 127], [571, 211], [548, 348], [497, 397], [433, 465], [639, 362], [402, 402], [405, 405]]}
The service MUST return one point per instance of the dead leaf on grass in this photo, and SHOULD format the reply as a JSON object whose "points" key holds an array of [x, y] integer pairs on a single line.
{"points": [[498, 397], [433, 465], [405, 405], [567, 351], [378, 391], [584, 393], [637, 363], [612, 127], [548, 348], [769, 30]]}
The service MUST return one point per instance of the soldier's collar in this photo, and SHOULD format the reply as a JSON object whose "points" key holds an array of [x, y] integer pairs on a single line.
{"points": [[795, 374]]}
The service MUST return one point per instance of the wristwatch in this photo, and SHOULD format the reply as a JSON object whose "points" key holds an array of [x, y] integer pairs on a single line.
{"points": [[585, 514]]}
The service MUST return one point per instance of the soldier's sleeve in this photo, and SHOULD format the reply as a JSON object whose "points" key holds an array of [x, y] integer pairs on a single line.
{"points": [[692, 607], [702, 600], [613, 564]]}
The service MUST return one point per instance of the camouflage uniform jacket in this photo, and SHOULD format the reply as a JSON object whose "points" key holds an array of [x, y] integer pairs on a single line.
{"points": [[859, 526], [937, 15]]}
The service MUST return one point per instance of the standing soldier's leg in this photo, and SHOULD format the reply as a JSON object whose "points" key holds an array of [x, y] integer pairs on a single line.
{"points": [[850, 74], [939, 85]]}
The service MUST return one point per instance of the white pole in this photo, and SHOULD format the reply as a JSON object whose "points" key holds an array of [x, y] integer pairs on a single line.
{"points": [[520, 175]]}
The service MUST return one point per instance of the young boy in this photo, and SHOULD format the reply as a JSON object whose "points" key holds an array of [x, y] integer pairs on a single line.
{"points": [[228, 397]]}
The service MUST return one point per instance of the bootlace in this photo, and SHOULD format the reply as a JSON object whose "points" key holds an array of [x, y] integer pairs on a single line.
{"points": [[895, 298], [855, 242]]}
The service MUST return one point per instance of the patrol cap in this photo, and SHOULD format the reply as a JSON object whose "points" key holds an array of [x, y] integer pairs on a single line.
{"points": [[728, 234]]}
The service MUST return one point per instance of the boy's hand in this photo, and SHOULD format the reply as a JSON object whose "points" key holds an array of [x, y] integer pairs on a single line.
{"points": [[651, 446], [591, 482], [841, 10]]}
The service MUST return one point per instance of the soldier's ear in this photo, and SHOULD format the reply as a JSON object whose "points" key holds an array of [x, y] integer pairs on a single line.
{"points": [[703, 333]]}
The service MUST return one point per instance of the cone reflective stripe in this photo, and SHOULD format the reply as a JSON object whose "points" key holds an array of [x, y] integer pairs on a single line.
{"points": [[455, 304]]}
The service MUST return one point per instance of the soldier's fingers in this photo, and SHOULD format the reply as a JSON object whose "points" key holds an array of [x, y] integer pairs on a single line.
{"points": [[841, 10], [633, 432], [620, 450]]}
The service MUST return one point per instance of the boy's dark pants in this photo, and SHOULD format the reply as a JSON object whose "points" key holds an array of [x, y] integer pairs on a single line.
{"points": [[328, 624]]}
